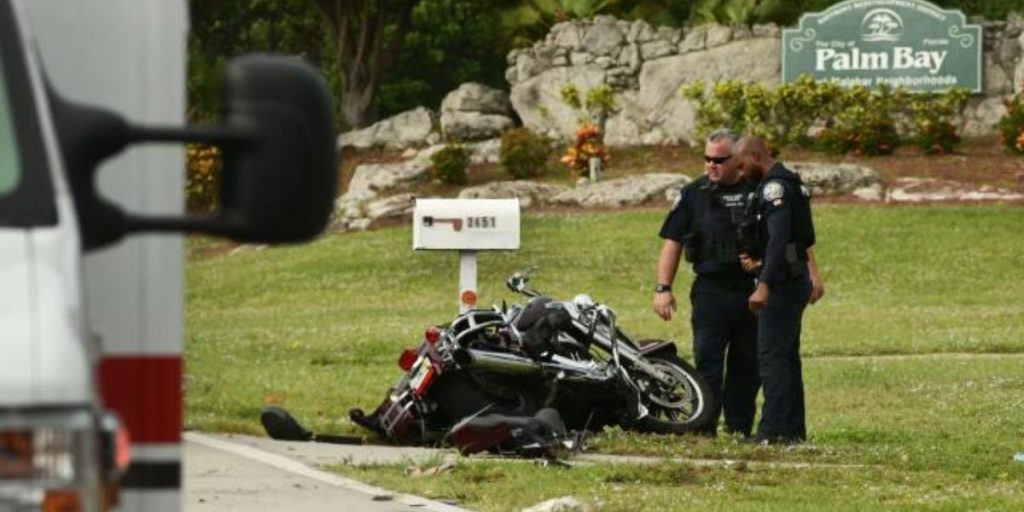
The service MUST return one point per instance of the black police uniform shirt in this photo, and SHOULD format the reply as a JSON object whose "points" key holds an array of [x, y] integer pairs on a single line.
{"points": [[704, 216], [787, 229]]}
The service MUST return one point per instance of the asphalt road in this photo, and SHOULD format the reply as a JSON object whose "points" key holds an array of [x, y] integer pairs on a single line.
{"points": [[241, 473]]}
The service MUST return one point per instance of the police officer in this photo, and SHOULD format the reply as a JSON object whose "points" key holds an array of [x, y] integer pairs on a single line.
{"points": [[702, 227], [783, 209]]}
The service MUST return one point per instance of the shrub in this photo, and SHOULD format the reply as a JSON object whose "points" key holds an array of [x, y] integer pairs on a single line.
{"points": [[856, 120], [931, 118], [1011, 126], [523, 153], [866, 122], [449, 165], [587, 145], [202, 177]]}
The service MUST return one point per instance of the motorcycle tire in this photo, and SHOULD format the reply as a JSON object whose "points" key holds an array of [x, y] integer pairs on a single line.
{"points": [[661, 418]]}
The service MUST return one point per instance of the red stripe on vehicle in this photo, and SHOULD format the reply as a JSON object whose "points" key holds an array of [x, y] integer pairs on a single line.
{"points": [[146, 392]]}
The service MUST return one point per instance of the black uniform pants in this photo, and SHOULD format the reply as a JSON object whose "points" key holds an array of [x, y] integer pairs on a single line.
{"points": [[725, 348], [778, 352]]}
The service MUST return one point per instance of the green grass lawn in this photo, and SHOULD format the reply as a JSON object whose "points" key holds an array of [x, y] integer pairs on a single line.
{"points": [[318, 328]]}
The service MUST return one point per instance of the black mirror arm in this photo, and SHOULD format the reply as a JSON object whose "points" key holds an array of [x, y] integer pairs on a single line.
{"points": [[206, 134]]}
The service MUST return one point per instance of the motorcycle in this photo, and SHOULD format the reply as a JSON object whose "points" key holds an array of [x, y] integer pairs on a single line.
{"points": [[514, 363]]}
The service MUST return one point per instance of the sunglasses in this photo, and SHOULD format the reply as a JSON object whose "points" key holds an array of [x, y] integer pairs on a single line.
{"points": [[717, 159]]}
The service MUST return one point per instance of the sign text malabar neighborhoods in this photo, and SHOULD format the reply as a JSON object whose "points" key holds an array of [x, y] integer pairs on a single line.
{"points": [[912, 43]]}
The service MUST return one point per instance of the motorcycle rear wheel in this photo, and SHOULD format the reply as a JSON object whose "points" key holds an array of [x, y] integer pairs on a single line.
{"points": [[683, 407]]}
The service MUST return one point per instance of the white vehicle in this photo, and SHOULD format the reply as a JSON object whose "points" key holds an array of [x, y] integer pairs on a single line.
{"points": [[91, 319]]}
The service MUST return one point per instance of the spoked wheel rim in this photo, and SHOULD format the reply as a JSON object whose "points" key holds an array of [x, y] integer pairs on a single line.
{"points": [[678, 401]]}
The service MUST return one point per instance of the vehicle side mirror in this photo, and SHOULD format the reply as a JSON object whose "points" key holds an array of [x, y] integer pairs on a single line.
{"points": [[279, 175]]}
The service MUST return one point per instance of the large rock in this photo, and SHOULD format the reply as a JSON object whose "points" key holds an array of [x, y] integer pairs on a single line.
{"points": [[528, 192], [539, 104], [930, 189], [474, 97], [411, 128], [474, 112], [604, 37], [357, 215], [825, 179], [660, 81], [563, 504], [473, 125], [629, 191], [982, 115], [369, 180]]}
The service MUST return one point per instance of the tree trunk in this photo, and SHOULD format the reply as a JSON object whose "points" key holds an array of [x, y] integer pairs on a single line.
{"points": [[362, 51]]}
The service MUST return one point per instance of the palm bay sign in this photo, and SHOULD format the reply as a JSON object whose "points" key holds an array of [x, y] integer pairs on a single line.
{"points": [[899, 42]]}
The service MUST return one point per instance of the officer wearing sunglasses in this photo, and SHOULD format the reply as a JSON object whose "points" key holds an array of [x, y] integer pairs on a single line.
{"points": [[702, 227]]}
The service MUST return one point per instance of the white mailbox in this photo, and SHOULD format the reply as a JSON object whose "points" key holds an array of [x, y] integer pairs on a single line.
{"points": [[466, 224]]}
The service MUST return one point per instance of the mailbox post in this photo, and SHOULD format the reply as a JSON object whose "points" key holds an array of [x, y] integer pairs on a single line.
{"points": [[467, 226]]}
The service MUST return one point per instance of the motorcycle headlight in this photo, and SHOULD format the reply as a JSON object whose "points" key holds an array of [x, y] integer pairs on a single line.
{"points": [[583, 301], [49, 461]]}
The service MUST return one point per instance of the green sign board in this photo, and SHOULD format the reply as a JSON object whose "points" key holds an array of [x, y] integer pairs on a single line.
{"points": [[899, 42]]}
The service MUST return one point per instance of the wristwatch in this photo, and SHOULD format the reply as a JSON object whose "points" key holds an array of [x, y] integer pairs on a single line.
{"points": [[662, 288]]}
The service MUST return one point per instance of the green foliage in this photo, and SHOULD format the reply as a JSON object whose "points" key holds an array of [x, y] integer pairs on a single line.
{"points": [[931, 115], [855, 120], [596, 106], [866, 124], [222, 30], [449, 165], [202, 177], [787, 12], [1011, 125], [451, 42], [524, 154], [583, 8]]}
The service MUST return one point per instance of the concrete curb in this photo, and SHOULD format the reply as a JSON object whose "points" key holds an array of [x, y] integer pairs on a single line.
{"points": [[287, 464]]}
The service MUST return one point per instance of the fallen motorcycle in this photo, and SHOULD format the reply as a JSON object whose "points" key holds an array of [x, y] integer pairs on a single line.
{"points": [[498, 373]]}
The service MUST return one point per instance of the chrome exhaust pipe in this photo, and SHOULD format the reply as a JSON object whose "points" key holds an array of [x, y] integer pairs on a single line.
{"points": [[500, 362]]}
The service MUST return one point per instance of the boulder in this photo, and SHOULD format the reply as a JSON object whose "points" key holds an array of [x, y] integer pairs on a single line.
{"points": [[931, 189], [827, 179], [603, 37], [410, 128], [539, 104], [485, 152], [661, 79], [981, 116], [358, 215], [563, 504], [369, 180], [474, 97], [628, 191], [528, 192], [475, 111], [473, 125]]}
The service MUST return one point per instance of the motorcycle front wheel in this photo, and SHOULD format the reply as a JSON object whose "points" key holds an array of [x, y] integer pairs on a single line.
{"points": [[682, 405]]}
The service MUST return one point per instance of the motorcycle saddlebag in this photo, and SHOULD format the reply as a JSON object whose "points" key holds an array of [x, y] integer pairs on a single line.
{"points": [[529, 436]]}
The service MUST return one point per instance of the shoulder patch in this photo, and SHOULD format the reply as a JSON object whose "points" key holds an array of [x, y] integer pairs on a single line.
{"points": [[677, 201], [772, 191], [805, 191]]}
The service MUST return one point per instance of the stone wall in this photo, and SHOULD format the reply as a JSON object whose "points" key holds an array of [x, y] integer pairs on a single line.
{"points": [[646, 66]]}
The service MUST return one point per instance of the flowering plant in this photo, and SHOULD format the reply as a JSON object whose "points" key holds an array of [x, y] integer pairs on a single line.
{"points": [[1011, 126], [588, 144]]}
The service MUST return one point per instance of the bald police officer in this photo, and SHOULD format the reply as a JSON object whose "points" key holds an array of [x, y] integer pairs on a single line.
{"points": [[784, 288], [702, 226]]}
